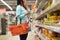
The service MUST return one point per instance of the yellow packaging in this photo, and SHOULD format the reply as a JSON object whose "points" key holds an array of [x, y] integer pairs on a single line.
{"points": [[45, 32], [51, 34], [53, 17], [55, 38], [58, 18]]}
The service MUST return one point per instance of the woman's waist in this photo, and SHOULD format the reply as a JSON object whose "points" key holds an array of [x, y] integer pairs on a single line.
{"points": [[23, 21]]}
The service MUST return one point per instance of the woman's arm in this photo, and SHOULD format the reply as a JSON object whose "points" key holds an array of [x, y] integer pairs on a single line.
{"points": [[17, 11]]}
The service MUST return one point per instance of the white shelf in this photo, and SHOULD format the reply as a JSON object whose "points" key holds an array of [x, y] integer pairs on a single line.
{"points": [[41, 6], [41, 35], [48, 9], [53, 28]]}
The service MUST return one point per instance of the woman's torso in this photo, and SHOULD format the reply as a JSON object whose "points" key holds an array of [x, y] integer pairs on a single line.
{"points": [[21, 11]]}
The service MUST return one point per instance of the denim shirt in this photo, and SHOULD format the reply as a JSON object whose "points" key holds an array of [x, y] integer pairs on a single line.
{"points": [[20, 14]]}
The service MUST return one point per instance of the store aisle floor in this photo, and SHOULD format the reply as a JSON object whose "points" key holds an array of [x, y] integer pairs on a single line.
{"points": [[10, 37], [3, 37]]}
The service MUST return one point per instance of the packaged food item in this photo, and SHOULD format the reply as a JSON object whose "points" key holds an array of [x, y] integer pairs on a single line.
{"points": [[53, 18], [49, 38], [58, 34], [58, 18], [37, 37], [51, 34], [45, 32], [55, 38]]}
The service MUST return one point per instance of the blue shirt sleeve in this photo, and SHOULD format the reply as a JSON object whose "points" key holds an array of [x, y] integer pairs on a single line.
{"points": [[17, 11]]}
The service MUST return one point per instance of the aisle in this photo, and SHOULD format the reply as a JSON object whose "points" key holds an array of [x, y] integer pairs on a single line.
{"points": [[3, 37], [30, 36], [10, 37]]}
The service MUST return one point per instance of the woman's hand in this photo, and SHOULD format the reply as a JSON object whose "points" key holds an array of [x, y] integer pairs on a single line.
{"points": [[27, 13]]}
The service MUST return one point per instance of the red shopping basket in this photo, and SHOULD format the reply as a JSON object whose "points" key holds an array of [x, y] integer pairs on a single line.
{"points": [[19, 29]]}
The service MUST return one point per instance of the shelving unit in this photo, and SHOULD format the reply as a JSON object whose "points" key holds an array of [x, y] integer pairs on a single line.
{"points": [[54, 6], [41, 6], [41, 35], [11, 17], [53, 28]]}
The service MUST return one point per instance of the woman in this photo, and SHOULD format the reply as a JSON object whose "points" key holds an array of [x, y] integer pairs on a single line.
{"points": [[21, 12]]}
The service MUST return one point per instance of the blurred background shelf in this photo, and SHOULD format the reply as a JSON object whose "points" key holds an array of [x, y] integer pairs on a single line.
{"points": [[42, 37], [52, 28], [56, 6]]}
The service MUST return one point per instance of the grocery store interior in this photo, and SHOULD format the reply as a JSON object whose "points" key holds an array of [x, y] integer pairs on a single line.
{"points": [[44, 19]]}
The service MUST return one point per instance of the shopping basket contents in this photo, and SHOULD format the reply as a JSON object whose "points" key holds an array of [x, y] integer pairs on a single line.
{"points": [[19, 29]]}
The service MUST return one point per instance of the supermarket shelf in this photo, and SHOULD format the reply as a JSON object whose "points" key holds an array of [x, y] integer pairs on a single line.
{"points": [[41, 35], [49, 9], [41, 6], [53, 28], [37, 2]]}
